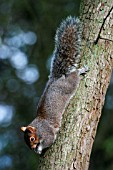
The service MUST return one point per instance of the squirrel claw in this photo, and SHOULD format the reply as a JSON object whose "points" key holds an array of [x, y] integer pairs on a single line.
{"points": [[83, 70]]}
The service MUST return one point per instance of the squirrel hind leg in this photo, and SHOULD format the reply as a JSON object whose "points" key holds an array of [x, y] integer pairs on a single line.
{"points": [[80, 71]]}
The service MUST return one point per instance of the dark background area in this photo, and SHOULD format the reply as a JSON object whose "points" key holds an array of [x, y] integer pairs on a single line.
{"points": [[27, 30]]}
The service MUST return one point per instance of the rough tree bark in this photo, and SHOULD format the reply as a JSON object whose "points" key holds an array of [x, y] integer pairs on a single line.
{"points": [[74, 143]]}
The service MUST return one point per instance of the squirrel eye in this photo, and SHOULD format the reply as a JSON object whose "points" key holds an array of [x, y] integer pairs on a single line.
{"points": [[32, 139]]}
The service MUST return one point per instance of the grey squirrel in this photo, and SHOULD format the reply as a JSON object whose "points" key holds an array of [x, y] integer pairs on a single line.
{"points": [[61, 86]]}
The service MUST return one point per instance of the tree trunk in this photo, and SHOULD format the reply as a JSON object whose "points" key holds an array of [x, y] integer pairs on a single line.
{"points": [[74, 142]]}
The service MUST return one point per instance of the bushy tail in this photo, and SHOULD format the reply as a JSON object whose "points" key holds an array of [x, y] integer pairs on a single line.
{"points": [[67, 47]]}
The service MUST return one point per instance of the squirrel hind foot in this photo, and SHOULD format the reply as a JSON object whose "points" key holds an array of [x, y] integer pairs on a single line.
{"points": [[72, 69], [80, 71], [83, 70]]}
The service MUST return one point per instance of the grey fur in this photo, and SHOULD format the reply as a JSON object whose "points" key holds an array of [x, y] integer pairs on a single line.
{"points": [[62, 84]]}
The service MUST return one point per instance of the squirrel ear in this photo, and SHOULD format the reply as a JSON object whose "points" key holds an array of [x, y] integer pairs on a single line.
{"points": [[31, 129], [23, 128]]}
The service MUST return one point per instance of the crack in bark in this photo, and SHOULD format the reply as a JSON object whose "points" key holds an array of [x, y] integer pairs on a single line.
{"points": [[104, 20], [106, 39]]}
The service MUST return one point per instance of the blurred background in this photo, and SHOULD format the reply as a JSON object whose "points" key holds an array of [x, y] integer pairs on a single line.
{"points": [[27, 30]]}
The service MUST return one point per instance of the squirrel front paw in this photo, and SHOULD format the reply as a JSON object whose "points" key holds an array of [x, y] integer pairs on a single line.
{"points": [[39, 149], [82, 70]]}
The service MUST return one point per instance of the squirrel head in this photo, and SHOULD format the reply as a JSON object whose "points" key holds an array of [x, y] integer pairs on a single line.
{"points": [[32, 139]]}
